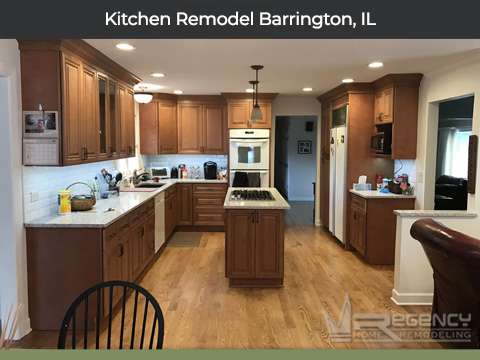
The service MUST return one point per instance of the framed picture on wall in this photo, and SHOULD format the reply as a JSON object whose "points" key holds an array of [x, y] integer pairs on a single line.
{"points": [[304, 147]]}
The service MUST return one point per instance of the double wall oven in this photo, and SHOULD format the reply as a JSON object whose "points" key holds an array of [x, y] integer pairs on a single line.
{"points": [[249, 157]]}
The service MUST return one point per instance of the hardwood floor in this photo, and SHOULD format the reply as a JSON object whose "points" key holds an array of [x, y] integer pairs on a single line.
{"points": [[201, 311]]}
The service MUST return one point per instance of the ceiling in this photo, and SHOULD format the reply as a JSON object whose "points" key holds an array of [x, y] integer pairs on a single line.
{"points": [[214, 66]]}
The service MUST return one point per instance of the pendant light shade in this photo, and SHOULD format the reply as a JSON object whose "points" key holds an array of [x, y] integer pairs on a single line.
{"points": [[256, 114], [143, 97]]}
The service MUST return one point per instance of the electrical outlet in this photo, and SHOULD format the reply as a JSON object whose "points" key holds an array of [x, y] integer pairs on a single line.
{"points": [[34, 197]]}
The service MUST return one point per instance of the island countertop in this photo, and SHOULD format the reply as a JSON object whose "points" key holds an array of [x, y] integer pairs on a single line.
{"points": [[107, 211], [279, 203]]}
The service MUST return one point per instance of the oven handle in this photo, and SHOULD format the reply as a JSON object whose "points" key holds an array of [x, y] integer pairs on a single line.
{"points": [[248, 140], [249, 170]]}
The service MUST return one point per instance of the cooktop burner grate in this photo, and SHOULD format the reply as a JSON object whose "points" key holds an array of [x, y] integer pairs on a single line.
{"points": [[257, 195]]}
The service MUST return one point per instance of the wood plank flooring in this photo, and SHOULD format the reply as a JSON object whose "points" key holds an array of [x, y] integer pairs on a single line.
{"points": [[201, 311]]}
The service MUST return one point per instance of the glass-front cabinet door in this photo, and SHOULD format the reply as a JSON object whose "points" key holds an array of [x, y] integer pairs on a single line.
{"points": [[112, 118], [103, 113]]}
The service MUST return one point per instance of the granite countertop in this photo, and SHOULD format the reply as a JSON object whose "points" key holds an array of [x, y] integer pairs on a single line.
{"points": [[435, 213], [374, 194], [279, 203], [99, 217]]}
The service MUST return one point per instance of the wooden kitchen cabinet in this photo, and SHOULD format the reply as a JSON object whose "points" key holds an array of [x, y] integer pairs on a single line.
{"points": [[254, 248], [372, 227], [239, 112], [167, 127], [185, 211], [190, 128], [92, 94], [170, 211], [158, 127], [201, 127], [383, 110], [78, 258], [208, 204]]}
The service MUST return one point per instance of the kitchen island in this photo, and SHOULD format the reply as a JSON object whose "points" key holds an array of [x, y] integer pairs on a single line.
{"points": [[254, 237]]}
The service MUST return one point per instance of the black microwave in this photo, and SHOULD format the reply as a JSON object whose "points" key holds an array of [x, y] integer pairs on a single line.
{"points": [[381, 142]]}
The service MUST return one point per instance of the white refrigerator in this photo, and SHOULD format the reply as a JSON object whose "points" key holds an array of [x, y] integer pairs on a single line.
{"points": [[338, 162]]}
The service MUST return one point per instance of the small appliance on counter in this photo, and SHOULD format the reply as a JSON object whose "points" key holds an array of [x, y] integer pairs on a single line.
{"points": [[210, 170], [182, 171], [174, 173], [161, 172]]}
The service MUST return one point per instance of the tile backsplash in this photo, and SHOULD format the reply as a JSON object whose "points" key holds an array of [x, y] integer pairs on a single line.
{"points": [[189, 160], [42, 183]]}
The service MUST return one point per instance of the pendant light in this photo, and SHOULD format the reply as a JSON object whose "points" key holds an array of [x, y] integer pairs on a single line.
{"points": [[142, 97], [256, 114]]}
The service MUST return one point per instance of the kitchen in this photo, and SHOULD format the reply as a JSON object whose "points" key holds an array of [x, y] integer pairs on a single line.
{"points": [[191, 164]]}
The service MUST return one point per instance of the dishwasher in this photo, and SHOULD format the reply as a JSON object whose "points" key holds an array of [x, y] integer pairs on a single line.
{"points": [[159, 221]]}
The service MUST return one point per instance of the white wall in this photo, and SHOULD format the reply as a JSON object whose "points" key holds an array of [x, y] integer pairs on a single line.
{"points": [[284, 105], [413, 281], [301, 167], [13, 285], [457, 80]]}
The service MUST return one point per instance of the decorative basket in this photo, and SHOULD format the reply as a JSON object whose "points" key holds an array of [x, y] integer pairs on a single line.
{"points": [[83, 202]]}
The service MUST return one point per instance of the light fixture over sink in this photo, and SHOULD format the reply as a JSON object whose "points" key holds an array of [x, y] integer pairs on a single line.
{"points": [[256, 114]]}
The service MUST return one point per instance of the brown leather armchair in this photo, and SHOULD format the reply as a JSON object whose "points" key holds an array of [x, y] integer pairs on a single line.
{"points": [[455, 259]]}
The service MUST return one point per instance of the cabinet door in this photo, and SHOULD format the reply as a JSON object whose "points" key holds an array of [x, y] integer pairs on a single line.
{"points": [[387, 112], [266, 121], [122, 116], [136, 249], [103, 125], [269, 244], [378, 107], [113, 120], [72, 141], [148, 128], [358, 229], [185, 214], [116, 264], [90, 113], [130, 113], [170, 215], [167, 128], [239, 114], [190, 129], [213, 129], [325, 164], [149, 240], [240, 244]]}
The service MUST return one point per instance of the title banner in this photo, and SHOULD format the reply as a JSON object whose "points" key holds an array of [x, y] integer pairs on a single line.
{"points": [[240, 19]]}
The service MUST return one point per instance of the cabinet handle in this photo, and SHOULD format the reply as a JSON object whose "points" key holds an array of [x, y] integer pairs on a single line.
{"points": [[142, 232], [252, 218], [354, 216], [121, 250]]}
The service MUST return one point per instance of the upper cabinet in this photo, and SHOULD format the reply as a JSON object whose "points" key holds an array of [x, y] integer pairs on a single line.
{"points": [[396, 105], [92, 94], [239, 108], [185, 125]]}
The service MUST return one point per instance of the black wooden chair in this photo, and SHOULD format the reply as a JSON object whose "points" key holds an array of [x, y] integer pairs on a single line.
{"points": [[88, 313]]}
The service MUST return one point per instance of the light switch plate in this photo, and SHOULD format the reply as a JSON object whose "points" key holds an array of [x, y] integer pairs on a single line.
{"points": [[34, 197]]}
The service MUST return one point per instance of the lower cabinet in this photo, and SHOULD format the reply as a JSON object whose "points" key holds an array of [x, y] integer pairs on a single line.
{"points": [[77, 258], [254, 247], [185, 214], [373, 227], [170, 210]]}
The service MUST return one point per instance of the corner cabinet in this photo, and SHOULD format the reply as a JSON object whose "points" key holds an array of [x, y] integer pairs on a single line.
{"points": [[254, 248], [92, 94]]}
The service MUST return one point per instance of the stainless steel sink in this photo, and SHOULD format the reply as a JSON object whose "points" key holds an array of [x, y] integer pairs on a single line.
{"points": [[149, 185]]}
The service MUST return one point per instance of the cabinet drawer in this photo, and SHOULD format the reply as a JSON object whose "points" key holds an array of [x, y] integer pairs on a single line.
{"points": [[359, 202], [117, 228], [208, 201], [209, 188], [209, 217]]}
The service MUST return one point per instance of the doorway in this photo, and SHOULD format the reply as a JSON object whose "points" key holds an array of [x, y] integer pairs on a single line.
{"points": [[295, 165], [454, 128]]}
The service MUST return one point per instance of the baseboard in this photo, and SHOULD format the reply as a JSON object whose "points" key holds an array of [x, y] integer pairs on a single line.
{"points": [[411, 298]]}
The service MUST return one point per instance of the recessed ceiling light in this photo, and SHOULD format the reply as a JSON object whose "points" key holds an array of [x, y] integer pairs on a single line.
{"points": [[125, 46], [375, 65], [158, 75], [347, 80], [307, 89], [178, 92], [249, 90]]}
